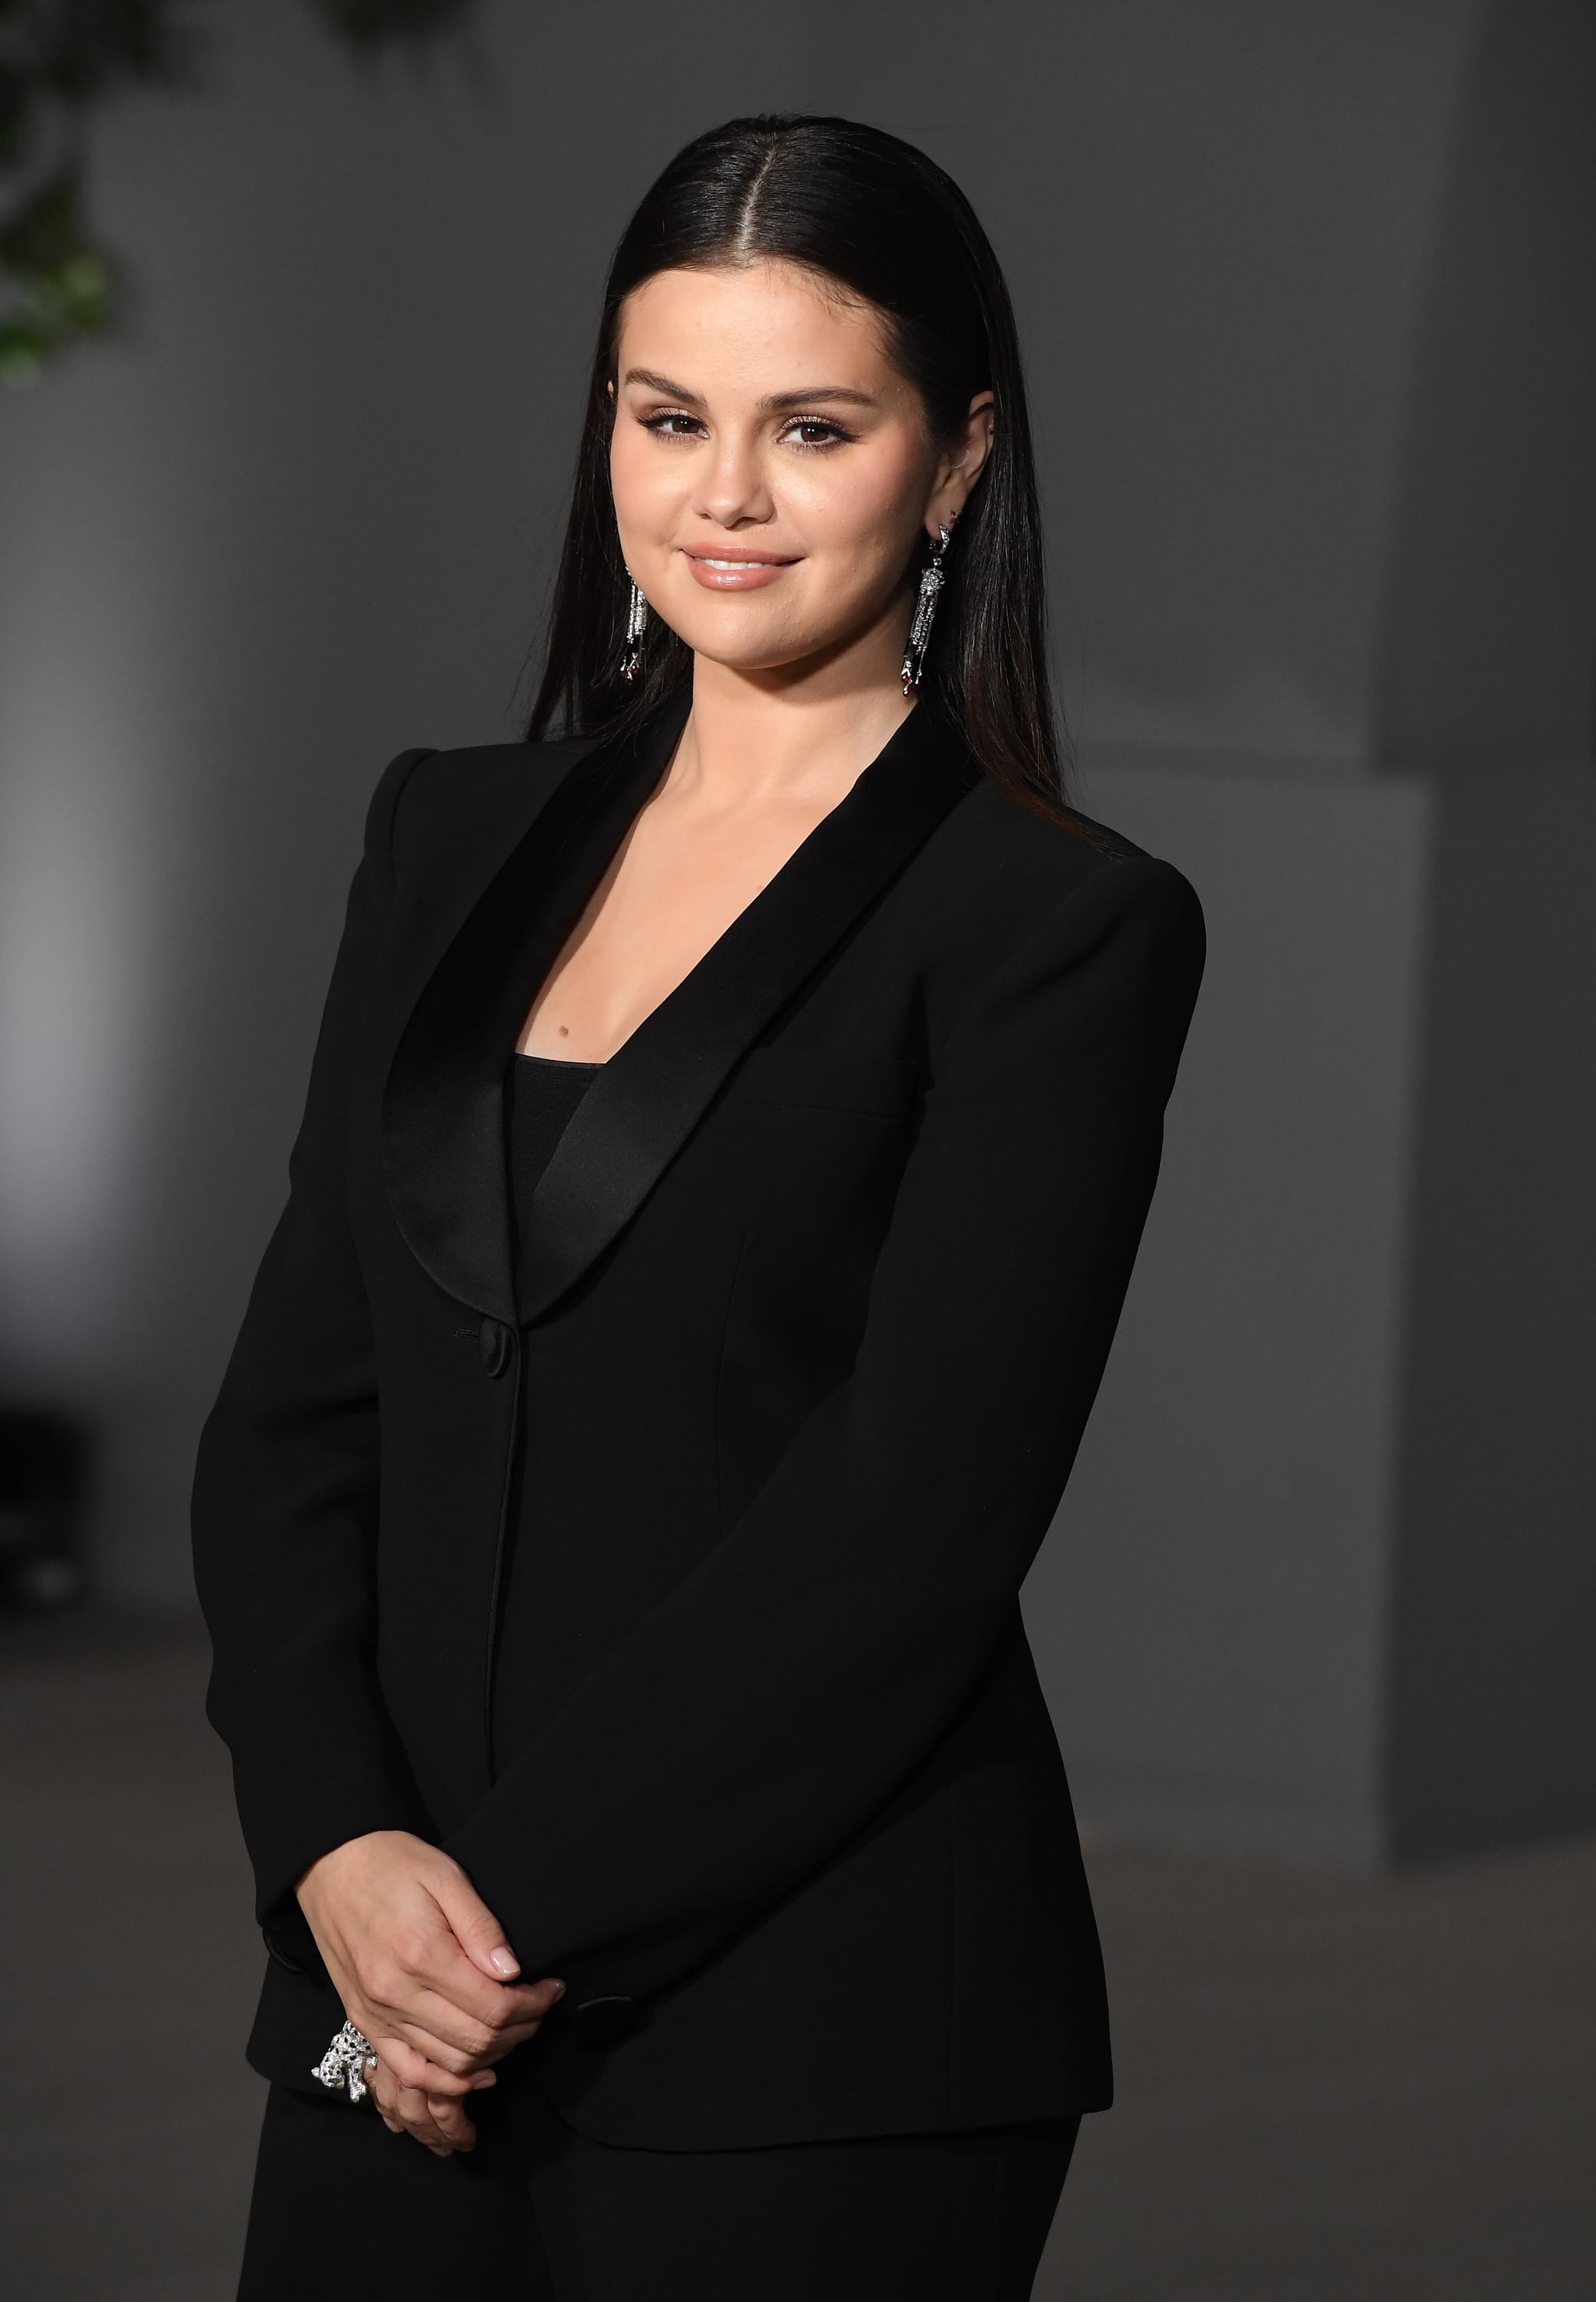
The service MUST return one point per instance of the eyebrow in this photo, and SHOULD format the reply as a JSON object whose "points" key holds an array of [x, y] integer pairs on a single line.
{"points": [[772, 402]]}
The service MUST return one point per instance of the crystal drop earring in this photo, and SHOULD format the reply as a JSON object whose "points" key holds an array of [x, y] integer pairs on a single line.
{"points": [[931, 582], [637, 616]]}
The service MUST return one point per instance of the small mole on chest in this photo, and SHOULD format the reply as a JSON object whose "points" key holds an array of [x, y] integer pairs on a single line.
{"points": [[564, 1031]]}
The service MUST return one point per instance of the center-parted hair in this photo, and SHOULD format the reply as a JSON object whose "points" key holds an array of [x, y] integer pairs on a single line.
{"points": [[872, 214]]}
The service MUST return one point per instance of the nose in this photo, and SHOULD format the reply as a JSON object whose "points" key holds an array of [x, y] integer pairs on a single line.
{"points": [[733, 490]]}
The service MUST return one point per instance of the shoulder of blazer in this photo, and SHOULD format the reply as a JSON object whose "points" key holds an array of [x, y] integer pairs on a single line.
{"points": [[997, 857], [1074, 847], [452, 795], [1014, 901]]}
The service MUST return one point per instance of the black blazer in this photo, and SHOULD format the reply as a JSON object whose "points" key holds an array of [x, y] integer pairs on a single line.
{"points": [[816, 1294]]}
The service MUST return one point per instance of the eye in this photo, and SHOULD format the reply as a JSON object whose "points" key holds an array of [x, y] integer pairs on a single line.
{"points": [[665, 424], [817, 432]]}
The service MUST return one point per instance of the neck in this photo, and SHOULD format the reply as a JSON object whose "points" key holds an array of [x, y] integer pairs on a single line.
{"points": [[801, 732]]}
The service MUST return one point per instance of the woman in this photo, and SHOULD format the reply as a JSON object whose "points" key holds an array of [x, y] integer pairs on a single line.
{"points": [[725, 1151]]}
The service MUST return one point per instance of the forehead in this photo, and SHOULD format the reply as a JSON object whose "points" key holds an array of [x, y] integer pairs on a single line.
{"points": [[752, 325]]}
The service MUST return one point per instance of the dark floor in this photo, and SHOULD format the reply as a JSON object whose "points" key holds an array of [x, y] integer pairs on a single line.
{"points": [[1330, 2088]]}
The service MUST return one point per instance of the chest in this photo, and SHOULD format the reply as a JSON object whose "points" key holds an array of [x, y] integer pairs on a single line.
{"points": [[681, 876]]}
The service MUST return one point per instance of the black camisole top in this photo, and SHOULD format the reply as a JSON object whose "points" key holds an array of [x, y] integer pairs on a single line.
{"points": [[544, 1093]]}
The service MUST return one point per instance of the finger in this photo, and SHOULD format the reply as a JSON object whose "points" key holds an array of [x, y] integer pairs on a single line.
{"points": [[457, 2004], [415, 2114], [450, 1995], [384, 2088], [415, 2050], [420, 1960], [425, 2075], [443, 1995], [463, 2043], [475, 1928], [451, 2123]]}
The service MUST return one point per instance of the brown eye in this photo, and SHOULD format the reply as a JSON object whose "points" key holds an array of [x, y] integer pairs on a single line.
{"points": [[817, 432]]}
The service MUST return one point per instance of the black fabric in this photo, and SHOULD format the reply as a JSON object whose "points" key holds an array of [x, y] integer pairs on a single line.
{"points": [[847, 1225], [442, 1115], [543, 1092], [537, 1667], [645, 1108], [537, 2213]]}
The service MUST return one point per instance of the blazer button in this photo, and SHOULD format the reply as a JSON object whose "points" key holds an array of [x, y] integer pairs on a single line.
{"points": [[599, 2019], [496, 1345]]}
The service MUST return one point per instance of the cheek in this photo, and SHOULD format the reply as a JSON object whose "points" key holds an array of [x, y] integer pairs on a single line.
{"points": [[865, 508], [641, 481]]}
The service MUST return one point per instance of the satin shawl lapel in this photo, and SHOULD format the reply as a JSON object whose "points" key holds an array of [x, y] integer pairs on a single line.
{"points": [[646, 1101], [443, 1106]]}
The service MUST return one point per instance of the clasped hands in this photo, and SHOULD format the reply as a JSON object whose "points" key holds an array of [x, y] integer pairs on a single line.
{"points": [[421, 1966]]}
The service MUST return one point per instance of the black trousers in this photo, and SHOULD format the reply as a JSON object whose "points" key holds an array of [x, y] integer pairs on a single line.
{"points": [[539, 2214]]}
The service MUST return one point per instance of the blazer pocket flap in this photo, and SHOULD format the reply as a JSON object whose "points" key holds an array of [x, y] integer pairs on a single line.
{"points": [[864, 1083]]}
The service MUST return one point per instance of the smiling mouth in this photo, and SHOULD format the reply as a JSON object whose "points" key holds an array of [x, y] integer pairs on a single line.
{"points": [[737, 571], [742, 558]]}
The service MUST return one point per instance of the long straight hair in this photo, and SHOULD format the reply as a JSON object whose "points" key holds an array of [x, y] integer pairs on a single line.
{"points": [[862, 208]]}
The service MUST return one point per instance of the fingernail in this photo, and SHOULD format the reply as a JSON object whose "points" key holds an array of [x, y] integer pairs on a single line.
{"points": [[484, 2079], [503, 1960], [559, 1991]]}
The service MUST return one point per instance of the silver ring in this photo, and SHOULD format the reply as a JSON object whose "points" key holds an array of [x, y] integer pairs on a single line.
{"points": [[347, 2061]]}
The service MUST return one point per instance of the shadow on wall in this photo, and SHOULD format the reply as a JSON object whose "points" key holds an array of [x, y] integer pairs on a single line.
{"points": [[1489, 686], [1489, 638]]}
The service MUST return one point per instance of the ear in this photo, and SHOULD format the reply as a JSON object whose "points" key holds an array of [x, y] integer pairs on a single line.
{"points": [[961, 463]]}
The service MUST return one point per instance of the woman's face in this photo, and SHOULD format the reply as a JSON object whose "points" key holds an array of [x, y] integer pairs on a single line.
{"points": [[773, 473]]}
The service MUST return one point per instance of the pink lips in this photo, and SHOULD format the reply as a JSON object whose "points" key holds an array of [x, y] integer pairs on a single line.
{"points": [[727, 569]]}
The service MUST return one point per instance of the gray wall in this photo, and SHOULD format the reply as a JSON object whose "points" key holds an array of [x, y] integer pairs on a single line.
{"points": [[1212, 1613], [1322, 1583], [1312, 383]]}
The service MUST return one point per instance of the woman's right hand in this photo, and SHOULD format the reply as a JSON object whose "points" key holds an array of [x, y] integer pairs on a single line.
{"points": [[420, 1963]]}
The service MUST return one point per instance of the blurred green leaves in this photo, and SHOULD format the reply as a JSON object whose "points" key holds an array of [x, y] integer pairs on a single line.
{"points": [[59, 59], [57, 282]]}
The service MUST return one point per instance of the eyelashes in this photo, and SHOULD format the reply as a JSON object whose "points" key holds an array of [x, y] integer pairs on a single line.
{"points": [[839, 436], [662, 424]]}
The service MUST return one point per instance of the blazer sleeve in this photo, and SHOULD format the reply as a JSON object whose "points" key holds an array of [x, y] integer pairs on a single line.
{"points": [[753, 1723], [285, 1492]]}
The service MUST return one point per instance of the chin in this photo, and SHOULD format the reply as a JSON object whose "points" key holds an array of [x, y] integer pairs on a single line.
{"points": [[753, 661], [747, 650]]}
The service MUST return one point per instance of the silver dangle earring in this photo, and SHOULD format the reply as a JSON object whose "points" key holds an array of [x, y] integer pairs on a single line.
{"points": [[931, 582], [637, 616]]}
